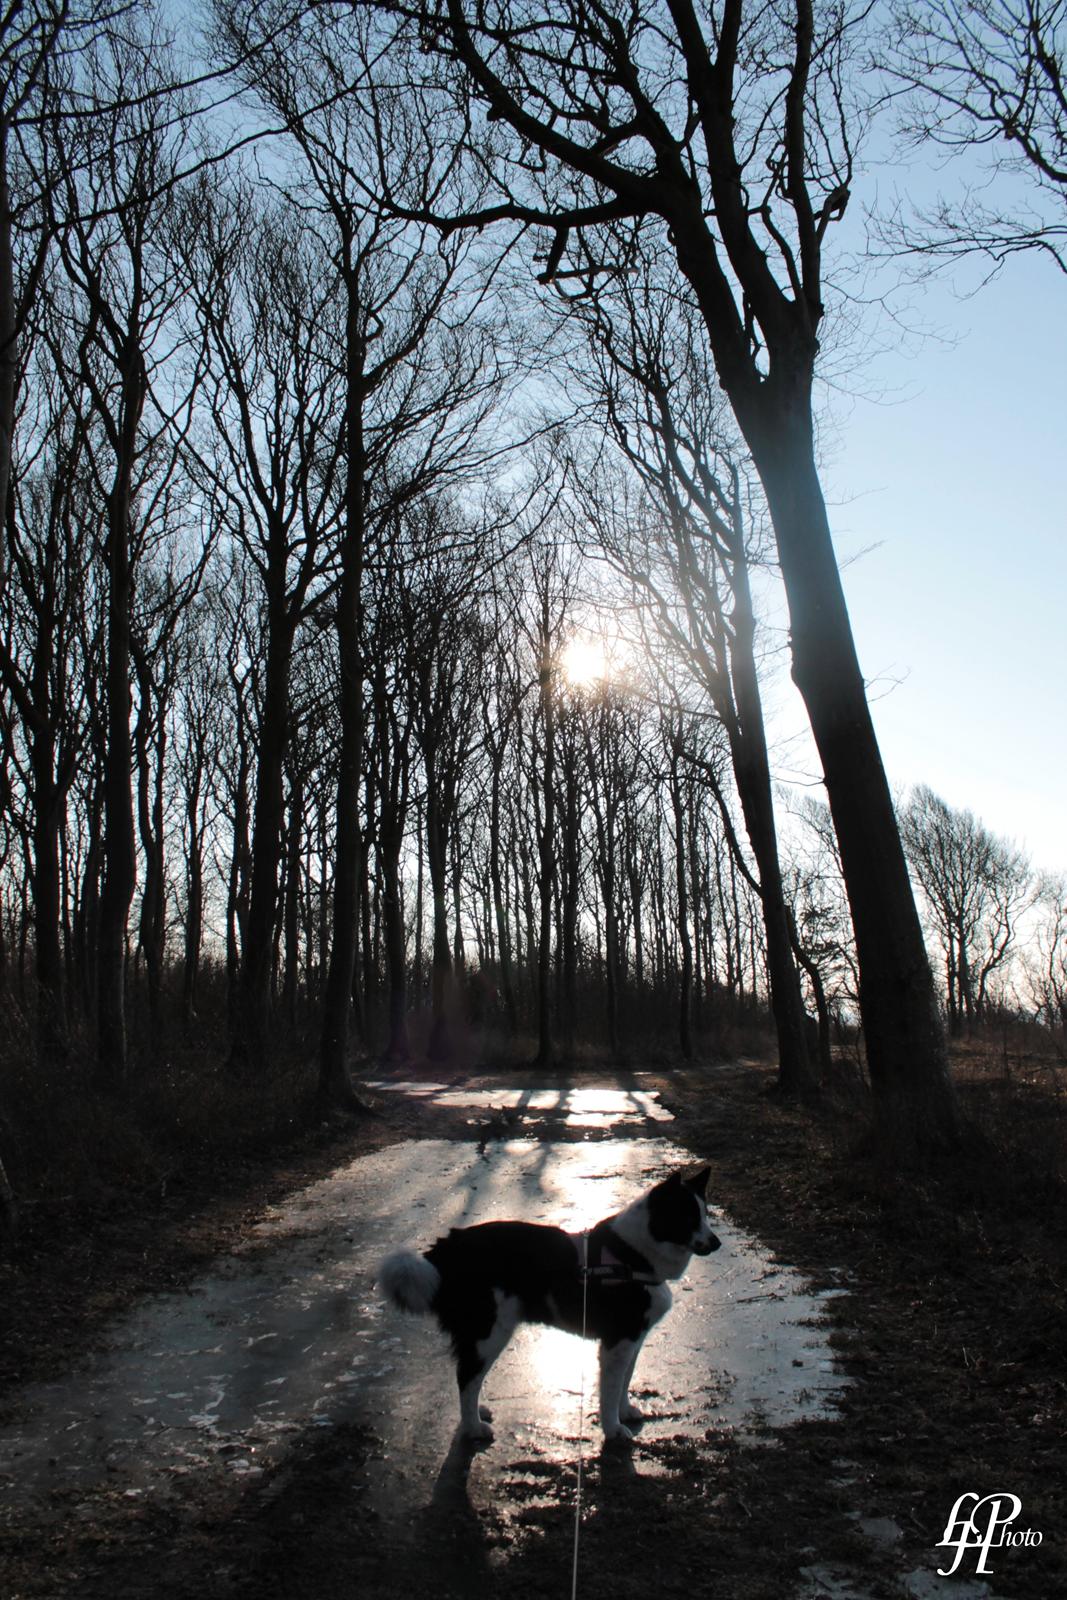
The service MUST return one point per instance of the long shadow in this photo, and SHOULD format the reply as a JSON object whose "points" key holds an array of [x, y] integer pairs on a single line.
{"points": [[332, 1520], [335, 1520], [448, 1537]]}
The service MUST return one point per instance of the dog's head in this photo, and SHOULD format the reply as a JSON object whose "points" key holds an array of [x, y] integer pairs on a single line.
{"points": [[678, 1213]]}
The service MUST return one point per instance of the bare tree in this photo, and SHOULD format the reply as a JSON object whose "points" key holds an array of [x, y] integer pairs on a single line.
{"points": [[545, 624], [612, 759], [734, 133], [502, 692], [687, 556], [570, 765], [50, 544], [446, 648], [169, 585], [110, 176], [675, 740], [976, 886], [272, 320], [821, 928], [38, 41], [391, 653], [201, 719], [1046, 961], [988, 77], [413, 372]]}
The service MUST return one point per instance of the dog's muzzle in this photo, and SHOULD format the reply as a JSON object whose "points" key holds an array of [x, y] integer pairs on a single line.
{"points": [[704, 1247]]}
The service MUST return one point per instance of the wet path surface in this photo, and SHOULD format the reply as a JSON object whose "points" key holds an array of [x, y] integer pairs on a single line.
{"points": [[287, 1337], [569, 1107]]}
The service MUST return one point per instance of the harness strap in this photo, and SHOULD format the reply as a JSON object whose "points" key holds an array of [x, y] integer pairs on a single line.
{"points": [[626, 1265], [615, 1272]]}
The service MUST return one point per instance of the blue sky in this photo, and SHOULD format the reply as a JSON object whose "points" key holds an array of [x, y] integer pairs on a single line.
{"points": [[948, 509]]}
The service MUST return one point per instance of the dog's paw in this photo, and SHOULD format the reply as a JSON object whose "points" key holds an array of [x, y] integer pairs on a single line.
{"points": [[628, 1412], [485, 1413], [617, 1433], [478, 1432]]}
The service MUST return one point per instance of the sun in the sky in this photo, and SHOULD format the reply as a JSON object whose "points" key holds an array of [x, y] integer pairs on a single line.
{"points": [[584, 661]]}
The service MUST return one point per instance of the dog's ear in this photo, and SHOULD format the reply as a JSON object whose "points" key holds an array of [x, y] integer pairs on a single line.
{"points": [[699, 1183]]}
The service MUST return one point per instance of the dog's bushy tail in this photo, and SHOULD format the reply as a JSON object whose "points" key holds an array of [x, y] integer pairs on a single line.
{"points": [[409, 1281]]}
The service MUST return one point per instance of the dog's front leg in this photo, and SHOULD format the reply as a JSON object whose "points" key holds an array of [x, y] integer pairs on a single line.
{"points": [[659, 1303], [616, 1365], [628, 1412]]}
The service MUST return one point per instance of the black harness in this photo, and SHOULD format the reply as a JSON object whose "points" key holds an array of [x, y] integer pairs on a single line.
{"points": [[610, 1260]]}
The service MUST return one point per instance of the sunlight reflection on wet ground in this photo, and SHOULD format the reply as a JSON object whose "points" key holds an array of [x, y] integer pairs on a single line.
{"points": [[576, 1108], [287, 1336]]}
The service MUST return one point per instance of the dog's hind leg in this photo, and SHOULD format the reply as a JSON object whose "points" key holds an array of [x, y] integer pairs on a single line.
{"points": [[616, 1367], [474, 1357]]}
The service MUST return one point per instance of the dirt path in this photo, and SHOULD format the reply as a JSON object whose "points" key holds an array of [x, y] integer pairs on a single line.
{"points": [[266, 1430]]}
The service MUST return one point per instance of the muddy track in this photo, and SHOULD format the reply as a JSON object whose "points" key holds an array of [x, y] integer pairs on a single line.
{"points": [[352, 1478]]}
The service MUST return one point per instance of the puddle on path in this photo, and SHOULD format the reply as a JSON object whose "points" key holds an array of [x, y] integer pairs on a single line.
{"points": [[287, 1336], [576, 1108]]}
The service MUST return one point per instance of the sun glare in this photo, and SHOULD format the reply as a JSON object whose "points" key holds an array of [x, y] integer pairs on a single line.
{"points": [[585, 661]]}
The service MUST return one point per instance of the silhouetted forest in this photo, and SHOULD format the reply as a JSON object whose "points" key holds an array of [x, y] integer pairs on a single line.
{"points": [[389, 492]]}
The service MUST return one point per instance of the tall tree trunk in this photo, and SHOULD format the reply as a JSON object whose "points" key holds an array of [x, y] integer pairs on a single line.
{"points": [[398, 1046], [420, 895], [737, 935], [151, 931], [51, 1008], [604, 816], [725, 923], [47, 817], [529, 915], [659, 926], [335, 1084], [324, 902], [955, 1013], [570, 864], [611, 964], [249, 1044], [546, 851], [440, 1046], [818, 990], [905, 1043], [120, 861], [392, 781], [294, 838], [8, 344], [194, 904], [752, 770], [459, 955], [365, 977], [87, 912], [685, 989], [906, 1054], [633, 873], [503, 939], [699, 974], [965, 981]]}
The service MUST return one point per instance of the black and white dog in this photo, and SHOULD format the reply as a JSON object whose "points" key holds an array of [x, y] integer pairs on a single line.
{"points": [[482, 1282]]}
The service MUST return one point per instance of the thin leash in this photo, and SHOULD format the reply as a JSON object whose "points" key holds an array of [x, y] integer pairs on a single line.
{"points": [[581, 1418]]}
